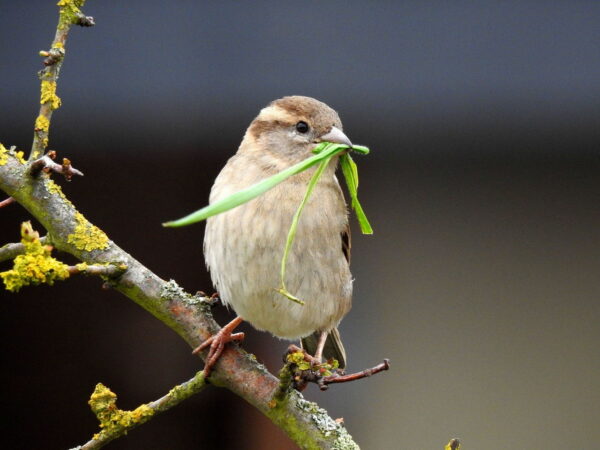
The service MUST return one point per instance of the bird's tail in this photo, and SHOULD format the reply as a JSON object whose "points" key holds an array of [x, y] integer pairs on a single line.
{"points": [[333, 346]]}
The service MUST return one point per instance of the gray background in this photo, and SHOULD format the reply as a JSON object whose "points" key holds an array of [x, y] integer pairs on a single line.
{"points": [[480, 283]]}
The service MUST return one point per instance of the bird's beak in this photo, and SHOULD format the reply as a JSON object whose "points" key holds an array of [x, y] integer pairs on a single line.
{"points": [[337, 136]]}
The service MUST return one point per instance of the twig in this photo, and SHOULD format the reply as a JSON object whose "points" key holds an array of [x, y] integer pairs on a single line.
{"points": [[6, 202], [11, 251], [84, 21], [336, 378], [70, 15], [174, 397], [305, 369], [454, 444], [107, 270], [46, 164]]}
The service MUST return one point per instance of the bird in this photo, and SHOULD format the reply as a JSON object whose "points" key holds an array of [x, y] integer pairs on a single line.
{"points": [[243, 247]]}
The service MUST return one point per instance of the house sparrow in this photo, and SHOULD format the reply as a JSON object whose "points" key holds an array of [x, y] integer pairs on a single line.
{"points": [[244, 246]]}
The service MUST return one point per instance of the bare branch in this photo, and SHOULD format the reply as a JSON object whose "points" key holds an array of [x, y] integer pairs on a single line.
{"points": [[84, 21], [46, 164], [105, 270], [6, 202], [336, 378]]}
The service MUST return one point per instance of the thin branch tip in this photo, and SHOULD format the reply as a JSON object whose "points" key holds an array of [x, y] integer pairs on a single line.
{"points": [[46, 164], [84, 21], [6, 202], [336, 378], [102, 270], [302, 368], [454, 444]]}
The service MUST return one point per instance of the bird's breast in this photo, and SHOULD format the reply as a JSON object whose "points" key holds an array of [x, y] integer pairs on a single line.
{"points": [[244, 248]]}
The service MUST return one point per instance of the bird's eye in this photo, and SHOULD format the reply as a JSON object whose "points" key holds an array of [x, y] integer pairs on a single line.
{"points": [[302, 127]]}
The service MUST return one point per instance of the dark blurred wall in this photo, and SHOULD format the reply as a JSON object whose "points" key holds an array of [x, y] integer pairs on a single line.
{"points": [[480, 283]]}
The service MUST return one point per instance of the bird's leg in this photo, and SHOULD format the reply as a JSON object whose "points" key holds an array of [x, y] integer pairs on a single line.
{"points": [[217, 344], [320, 345]]}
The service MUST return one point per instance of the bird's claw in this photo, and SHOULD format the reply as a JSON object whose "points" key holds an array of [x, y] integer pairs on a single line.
{"points": [[216, 344]]}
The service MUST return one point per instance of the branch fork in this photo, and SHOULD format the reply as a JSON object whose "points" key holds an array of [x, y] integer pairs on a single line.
{"points": [[305, 369], [46, 164]]}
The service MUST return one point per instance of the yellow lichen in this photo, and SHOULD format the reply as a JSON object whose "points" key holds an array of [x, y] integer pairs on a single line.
{"points": [[298, 359], [3, 155], [58, 45], [324, 369], [86, 236], [69, 9], [103, 403], [82, 267], [42, 123], [454, 444], [54, 188], [35, 266], [48, 94], [20, 155]]}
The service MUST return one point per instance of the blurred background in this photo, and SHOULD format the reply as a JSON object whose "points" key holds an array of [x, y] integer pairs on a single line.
{"points": [[480, 282]]}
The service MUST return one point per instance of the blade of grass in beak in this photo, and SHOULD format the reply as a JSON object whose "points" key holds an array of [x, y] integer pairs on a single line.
{"points": [[325, 150], [350, 172]]}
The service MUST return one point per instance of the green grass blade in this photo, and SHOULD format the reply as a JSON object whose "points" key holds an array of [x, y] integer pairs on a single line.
{"points": [[350, 171], [245, 195], [322, 151], [361, 149], [292, 232]]}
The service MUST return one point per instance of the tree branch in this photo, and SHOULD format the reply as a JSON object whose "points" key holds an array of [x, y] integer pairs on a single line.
{"points": [[113, 428], [69, 15], [6, 202], [189, 316], [12, 250]]}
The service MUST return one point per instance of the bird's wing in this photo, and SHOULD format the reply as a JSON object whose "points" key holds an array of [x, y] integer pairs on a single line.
{"points": [[333, 345], [347, 243]]}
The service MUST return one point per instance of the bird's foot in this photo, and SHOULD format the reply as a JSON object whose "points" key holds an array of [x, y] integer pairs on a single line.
{"points": [[308, 369], [216, 344]]}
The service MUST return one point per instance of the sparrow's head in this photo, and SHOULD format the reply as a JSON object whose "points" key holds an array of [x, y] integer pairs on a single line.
{"points": [[289, 128]]}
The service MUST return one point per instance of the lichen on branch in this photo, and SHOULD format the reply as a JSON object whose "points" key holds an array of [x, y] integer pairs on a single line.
{"points": [[86, 236], [69, 14], [35, 266], [115, 422], [48, 96], [6, 153], [112, 419]]}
